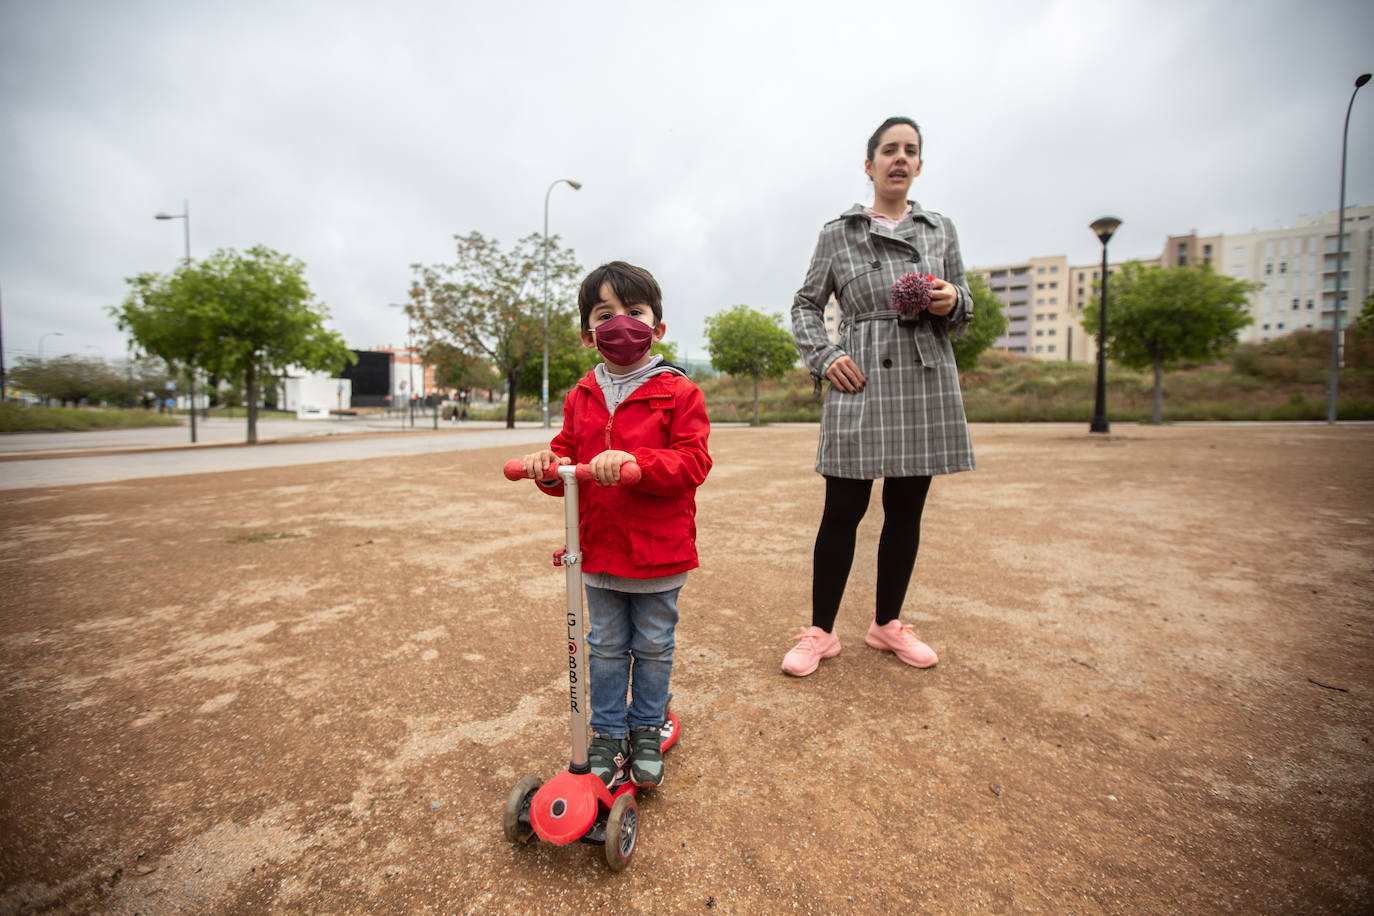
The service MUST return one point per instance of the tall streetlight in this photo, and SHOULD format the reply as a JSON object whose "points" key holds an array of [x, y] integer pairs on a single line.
{"points": [[41, 337], [1103, 229], [1340, 265], [185, 217], [544, 391], [40, 352]]}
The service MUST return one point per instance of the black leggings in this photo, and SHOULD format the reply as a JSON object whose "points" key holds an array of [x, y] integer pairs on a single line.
{"points": [[846, 500]]}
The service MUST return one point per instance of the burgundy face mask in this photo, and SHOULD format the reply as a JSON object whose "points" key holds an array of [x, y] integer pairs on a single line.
{"points": [[623, 340]]}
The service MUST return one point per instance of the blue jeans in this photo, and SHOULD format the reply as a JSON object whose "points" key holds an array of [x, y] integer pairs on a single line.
{"points": [[630, 634]]}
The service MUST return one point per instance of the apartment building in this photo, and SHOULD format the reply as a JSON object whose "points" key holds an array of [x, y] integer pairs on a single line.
{"points": [[1043, 299], [1296, 269], [1295, 266]]}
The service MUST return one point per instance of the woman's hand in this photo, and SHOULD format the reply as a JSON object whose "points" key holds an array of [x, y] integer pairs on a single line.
{"points": [[605, 467], [537, 463], [845, 375], [943, 298]]}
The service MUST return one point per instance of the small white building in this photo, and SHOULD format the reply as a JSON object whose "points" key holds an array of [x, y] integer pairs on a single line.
{"points": [[313, 396]]}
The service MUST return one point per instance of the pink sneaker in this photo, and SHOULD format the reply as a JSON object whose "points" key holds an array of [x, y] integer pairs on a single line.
{"points": [[897, 637], [813, 644]]}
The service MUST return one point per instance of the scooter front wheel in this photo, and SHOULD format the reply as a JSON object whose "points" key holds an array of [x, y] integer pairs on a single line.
{"points": [[622, 830], [515, 822]]}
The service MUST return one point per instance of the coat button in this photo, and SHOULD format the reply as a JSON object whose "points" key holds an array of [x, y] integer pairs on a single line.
{"points": [[887, 364], [875, 264], [915, 258]]}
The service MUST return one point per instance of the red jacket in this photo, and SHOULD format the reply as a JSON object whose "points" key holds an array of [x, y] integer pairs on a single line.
{"points": [[648, 530]]}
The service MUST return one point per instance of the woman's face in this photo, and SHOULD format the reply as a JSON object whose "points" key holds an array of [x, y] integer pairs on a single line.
{"points": [[896, 161]]}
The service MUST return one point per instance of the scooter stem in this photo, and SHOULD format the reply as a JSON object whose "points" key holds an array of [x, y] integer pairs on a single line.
{"points": [[577, 646]]}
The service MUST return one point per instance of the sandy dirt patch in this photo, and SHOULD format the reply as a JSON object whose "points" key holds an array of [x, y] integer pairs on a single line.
{"points": [[310, 689]]}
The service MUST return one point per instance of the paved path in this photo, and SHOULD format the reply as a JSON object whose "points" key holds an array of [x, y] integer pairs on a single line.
{"points": [[112, 455]]}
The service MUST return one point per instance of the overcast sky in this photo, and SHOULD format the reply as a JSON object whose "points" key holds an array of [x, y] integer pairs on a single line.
{"points": [[712, 139]]}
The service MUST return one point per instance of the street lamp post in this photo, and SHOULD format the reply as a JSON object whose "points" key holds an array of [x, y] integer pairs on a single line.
{"points": [[185, 217], [1340, 265], [1103, 229], [40, 343], [40, 353], [544, 390]]}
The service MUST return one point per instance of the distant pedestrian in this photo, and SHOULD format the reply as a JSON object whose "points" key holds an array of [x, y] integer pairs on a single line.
{"points": [[893, 410]]}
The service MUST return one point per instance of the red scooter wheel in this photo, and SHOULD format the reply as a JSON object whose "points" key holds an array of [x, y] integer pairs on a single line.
{"points": [[622, 830], [515, 822]]}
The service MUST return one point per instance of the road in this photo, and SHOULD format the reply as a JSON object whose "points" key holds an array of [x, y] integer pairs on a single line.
{"points": [[106, 456]]}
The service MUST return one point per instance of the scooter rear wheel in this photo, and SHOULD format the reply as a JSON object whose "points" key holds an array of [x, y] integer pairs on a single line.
{"points": [[515, 822], [622, 831]]}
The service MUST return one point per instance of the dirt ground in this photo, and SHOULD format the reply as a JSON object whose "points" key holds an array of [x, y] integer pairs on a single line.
{"points": [[310, 689]]}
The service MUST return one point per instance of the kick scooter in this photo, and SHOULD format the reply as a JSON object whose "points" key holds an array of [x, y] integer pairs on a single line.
{"points": [[575, 804]]}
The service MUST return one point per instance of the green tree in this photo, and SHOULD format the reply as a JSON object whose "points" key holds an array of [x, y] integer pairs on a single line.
{"points": [[988, 324], [1365, 323], [742, 341], [67, 379], [489, 304], [245, 317], [1158, 318]]}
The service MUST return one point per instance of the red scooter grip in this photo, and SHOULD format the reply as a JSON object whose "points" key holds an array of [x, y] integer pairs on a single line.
{"points": [[630, 474]]}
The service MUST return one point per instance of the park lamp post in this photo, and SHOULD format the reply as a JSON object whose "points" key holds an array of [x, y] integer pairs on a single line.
{"points": [[41, 338], [185, 217], [1103, 229], [1340, 266], [544, 388], [40, 352]]}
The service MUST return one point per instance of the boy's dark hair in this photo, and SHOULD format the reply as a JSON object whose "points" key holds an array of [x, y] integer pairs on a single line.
{"points": [[892, 122], [631, 284]]}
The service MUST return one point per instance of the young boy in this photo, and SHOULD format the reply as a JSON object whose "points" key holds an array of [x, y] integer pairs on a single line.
{"points": [[637, 542]]}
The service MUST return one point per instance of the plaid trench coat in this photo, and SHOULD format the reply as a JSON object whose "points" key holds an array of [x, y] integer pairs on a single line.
{"points": [[908, 421]]}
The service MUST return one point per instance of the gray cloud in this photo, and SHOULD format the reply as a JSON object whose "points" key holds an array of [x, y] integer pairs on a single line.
{"points": [[712, 139]]}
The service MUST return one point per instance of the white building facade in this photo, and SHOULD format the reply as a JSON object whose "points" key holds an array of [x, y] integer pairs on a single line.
{"points": [[1296, 269]]}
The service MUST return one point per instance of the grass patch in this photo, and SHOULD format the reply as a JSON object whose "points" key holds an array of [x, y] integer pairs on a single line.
{"points": [[15, 419], [258, 537], [241, 413]]}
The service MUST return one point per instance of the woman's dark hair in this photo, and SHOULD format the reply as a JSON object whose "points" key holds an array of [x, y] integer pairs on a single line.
{"points": [[632, 285], [891, 122]]}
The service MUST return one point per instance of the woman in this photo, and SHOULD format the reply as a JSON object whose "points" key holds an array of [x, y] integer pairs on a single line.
{"points": [[893, 409]]}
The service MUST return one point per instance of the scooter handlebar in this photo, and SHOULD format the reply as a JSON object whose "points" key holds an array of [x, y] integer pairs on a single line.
{"points": [[630, 474]]}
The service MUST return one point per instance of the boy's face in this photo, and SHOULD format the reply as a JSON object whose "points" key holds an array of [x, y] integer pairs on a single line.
{"points": [[608, 305]]}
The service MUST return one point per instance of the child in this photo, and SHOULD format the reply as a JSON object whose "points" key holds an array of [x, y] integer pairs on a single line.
{"points": [[637, 542]]}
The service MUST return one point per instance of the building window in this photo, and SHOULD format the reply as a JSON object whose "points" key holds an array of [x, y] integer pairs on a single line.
{"points": [[1268, 269], [1039, 286], [1040, 332], [1054, 316], [1040, 270], [1182, 254], [1207, 254], [1283, 267], [1052, 332], [1296, 304], [1266, 327], [1309, 303], [1054, 268], [1080, 276], [1050, 348], [1039, 349]]}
